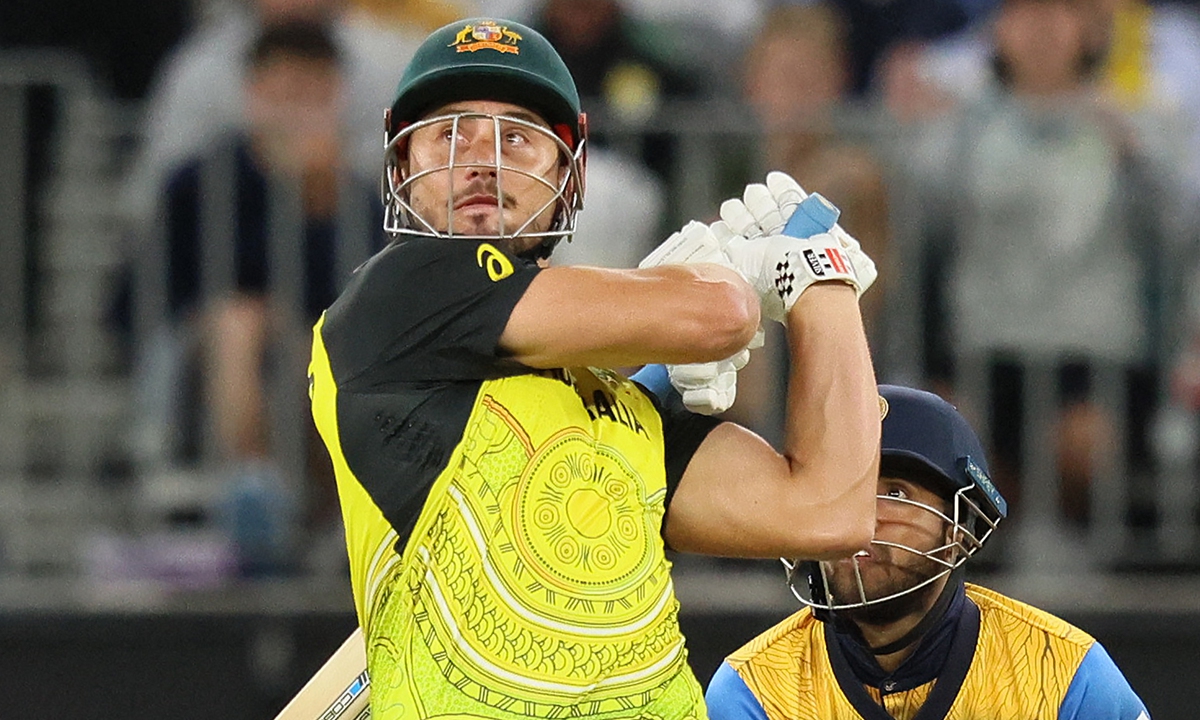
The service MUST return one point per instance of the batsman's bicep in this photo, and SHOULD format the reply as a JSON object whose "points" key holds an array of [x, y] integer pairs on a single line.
{"points": [[545, 324], [728, 498]]}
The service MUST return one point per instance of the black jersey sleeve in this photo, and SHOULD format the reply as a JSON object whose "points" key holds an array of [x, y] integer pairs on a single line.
{"points": [[427, 310], [683, 430]]}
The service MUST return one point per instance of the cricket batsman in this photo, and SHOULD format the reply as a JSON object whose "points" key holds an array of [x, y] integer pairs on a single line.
{"points": [[508, 500]]}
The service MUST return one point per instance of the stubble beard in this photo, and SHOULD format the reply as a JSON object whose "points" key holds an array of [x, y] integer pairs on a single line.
{"points": [[480, 224], [898, 579]]}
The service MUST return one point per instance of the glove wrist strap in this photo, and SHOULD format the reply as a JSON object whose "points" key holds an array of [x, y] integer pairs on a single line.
{"points": [[817, 259]]}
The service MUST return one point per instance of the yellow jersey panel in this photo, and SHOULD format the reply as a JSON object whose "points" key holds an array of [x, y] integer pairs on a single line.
{"points": [[503, 523], [369, 537]]}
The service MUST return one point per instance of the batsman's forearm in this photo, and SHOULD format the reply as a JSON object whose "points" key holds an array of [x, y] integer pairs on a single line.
{"points": [[833, 426]]}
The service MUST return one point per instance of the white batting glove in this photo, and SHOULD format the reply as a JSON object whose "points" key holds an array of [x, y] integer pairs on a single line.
{"points": [[780, 268], [768, 209], [711, 387], [691, 244], [708, 388], [763, 209], [864, 266]]}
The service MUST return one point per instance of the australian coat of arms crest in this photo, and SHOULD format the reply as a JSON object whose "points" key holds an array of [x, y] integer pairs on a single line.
{"points": [[487, 35]]}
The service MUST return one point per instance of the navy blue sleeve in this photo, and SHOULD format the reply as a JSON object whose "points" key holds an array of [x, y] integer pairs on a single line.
{"points": [[1100, 692], [728, 697]]}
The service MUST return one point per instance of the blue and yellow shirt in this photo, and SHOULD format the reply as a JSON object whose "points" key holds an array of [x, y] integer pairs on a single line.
{"points": [[503, 523], [1006, 659]]}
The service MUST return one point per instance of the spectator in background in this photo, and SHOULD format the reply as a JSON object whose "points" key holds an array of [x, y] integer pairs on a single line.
{"points": [[412, 15], [625, 69], [1043, 231], [876, 27], [797, 80], [1148, 58], [904, 90], [290, 139], [625, 203], [197, 96], [613, 58], [798, 83]]}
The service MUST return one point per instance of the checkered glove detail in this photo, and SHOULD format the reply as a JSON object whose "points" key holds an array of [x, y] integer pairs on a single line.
{"points": [[771, 209], [780, 268]]}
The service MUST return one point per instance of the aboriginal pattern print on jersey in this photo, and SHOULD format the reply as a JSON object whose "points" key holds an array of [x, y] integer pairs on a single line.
{"points": [[503, 523], [535, 582]]}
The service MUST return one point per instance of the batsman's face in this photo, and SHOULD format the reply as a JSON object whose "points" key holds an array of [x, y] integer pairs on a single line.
{"points": [[886, 570], [491, 168]]}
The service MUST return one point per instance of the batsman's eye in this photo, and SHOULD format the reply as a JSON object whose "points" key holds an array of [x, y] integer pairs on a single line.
{"points": [[516, 138]]}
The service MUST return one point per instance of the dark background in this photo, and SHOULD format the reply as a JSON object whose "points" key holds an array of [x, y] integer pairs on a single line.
{"points": [[207, 665]]}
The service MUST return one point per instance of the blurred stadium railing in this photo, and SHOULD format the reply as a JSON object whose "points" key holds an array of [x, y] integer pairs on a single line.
{"points": [[82, 458], [61, 406]]}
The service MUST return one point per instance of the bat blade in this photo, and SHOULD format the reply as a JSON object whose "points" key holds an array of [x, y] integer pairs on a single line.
{"points": [[340, 690]]}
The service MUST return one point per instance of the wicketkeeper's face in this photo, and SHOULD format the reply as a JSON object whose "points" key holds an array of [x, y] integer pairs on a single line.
{"points": [[484, 168], [910, 531]]}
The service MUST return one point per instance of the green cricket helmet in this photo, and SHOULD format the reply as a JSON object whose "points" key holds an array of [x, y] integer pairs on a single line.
{"points": [[496, 60]]}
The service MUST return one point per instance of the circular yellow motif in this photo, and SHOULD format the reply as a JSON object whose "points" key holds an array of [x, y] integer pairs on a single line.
{"points": [[566, 550], [560, 475], [627, 528], [546, 516], [615, 489], [581, 523], [604, 558], [589, 513]]}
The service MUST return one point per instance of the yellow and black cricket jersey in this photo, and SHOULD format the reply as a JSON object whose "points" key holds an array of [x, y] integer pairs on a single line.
{"points": [[503, 524], [1006, 661]]}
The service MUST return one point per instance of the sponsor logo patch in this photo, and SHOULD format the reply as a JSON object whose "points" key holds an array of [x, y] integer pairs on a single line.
{"points": [[498, 265], [814, 263]]}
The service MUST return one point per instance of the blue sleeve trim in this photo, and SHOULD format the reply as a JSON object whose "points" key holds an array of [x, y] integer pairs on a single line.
{"points": [[683, 430], [655, 379], [1100, 692], [728, 697]]}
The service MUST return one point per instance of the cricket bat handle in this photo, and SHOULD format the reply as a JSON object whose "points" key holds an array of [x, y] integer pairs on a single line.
{"points": [[340, 690]]}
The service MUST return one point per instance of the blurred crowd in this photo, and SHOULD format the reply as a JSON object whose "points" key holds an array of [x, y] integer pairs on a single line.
{"points": [[1025, 172]]}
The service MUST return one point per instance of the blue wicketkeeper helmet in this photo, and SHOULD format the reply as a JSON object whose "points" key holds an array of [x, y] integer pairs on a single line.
{"points": [[925, 440]]}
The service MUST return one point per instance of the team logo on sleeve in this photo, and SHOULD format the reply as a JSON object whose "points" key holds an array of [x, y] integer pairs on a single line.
{"points": [[498, 265], [487, 35]]}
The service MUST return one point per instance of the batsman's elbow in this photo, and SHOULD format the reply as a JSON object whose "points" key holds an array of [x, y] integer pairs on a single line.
{"points": [[836, 533], [729, 317], [842, 542]]}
